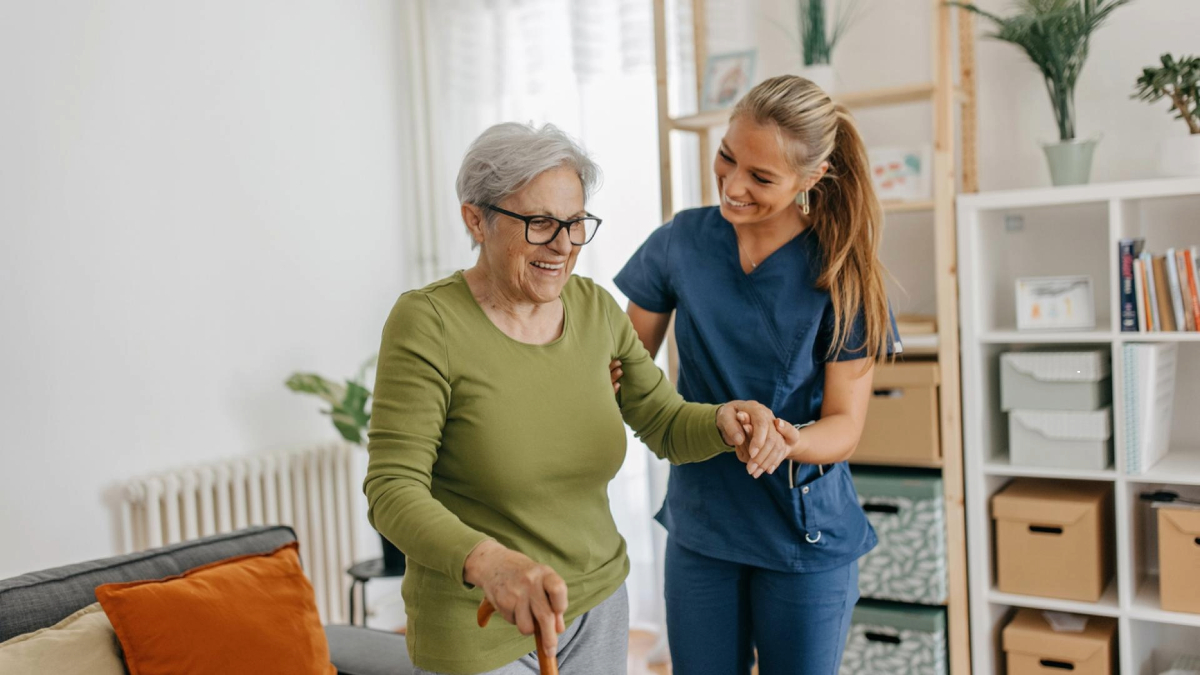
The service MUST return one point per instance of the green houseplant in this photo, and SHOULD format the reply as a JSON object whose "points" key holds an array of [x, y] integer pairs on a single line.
{"points": [[1178, 81], [1056, 36], [818, 38], [348, 403], [349, 410]]}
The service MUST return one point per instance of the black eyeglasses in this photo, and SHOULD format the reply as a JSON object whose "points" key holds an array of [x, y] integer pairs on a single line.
{"points": [[541, 230]]}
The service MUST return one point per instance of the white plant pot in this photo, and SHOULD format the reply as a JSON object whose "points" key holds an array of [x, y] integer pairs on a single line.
{"points": [[821, 75], [1179, 156]]}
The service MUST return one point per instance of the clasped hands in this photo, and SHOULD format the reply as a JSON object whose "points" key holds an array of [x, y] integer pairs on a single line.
{"points": [[761, 440]]}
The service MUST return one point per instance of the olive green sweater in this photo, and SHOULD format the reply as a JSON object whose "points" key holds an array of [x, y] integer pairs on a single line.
{"points": [[477, 436]]}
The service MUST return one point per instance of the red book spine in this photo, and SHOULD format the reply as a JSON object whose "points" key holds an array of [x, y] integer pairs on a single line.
{"points": [[1194, 284]]}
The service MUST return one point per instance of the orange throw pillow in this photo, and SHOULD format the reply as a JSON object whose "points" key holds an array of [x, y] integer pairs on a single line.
{"points": [[250, 614]]}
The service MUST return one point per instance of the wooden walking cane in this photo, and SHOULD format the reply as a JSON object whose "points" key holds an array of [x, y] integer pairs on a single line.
{"points": [[547, 662]]}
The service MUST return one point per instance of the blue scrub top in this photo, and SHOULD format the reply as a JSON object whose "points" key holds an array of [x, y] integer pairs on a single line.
{"points": [[762, 336]]}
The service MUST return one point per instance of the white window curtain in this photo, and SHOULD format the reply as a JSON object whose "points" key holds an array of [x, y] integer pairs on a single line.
{"points": [[586, 66]]}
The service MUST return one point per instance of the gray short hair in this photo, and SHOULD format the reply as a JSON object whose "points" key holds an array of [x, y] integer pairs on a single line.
{"points": [[506, 157]]}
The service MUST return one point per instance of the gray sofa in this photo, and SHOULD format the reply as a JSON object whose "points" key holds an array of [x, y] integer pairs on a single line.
{"points": [[40, 599]]}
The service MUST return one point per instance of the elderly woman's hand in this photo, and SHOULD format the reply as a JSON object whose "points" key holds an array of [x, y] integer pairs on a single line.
{"points": [[521, 590], [749, 426]]}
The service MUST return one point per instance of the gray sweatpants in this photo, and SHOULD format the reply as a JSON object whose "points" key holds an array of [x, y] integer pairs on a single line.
{"points": [[596, 643]]}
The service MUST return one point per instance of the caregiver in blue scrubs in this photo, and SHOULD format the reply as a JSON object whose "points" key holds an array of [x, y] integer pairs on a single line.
{"points": [[779, 297]]}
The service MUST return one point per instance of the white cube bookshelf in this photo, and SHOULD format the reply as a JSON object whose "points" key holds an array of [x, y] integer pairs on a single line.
{"points": [[1003, 236]]}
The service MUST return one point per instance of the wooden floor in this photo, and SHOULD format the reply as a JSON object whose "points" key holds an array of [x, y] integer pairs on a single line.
{"points": [[640, 644]]}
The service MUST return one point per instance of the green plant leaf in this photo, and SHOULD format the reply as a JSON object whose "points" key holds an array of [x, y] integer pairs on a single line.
{"points": [[817, 38], [1178, 81], [349, 431], [349, 403], [355, 403], [311, 383]]}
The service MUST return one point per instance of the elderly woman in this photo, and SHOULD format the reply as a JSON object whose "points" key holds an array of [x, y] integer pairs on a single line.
{"points": [[495, 431]]}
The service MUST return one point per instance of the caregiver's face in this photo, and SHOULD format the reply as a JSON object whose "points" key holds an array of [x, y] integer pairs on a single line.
{"points": [[530, 272], [754, 178]]}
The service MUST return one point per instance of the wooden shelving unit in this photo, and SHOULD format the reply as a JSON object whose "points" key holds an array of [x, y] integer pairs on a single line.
{"points": [[950, 94], [1074, 230], [912, 93]]}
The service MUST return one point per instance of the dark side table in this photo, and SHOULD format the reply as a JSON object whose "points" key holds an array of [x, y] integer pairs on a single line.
{"points": [[363, 572]]}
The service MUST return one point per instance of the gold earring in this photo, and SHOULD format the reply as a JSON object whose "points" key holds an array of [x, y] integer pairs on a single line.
{"points": [[802, 200]]}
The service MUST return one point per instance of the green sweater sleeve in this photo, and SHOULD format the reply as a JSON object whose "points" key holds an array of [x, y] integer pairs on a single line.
{"points": [[412, 395], [673, 429]]}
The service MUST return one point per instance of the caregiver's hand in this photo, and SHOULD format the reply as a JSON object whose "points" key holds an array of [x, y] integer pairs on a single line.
{"points": [[796, 449], [749, 426], [520, 589], [615, 372]]}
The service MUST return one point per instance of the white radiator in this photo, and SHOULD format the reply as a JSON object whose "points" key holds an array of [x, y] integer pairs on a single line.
{"points": [[313, 491]]}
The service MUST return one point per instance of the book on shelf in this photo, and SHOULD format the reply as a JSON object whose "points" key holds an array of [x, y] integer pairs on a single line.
{"points": [[1149, 401], [1139, 291], [1129, 249], [1162, 283], [1185, 300], [1158, 292], [1187, 270], [1152, 318], [1195, 251], [1171, 262]]}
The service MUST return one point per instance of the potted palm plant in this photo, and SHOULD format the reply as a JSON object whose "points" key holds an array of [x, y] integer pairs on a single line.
{"points": [[349, 410], [818, 38], [1055, 35], [1178, 80]]}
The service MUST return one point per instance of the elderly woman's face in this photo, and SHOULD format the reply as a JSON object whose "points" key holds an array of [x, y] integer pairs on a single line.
{"points": [[538, 273]]}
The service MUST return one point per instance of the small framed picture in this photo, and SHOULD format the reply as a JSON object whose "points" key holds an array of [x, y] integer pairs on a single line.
{"points": [[901, 174], [1055, 303], [727, 77]]}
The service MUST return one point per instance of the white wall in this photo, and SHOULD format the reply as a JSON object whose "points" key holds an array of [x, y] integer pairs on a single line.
{"points": [[196, 199]]}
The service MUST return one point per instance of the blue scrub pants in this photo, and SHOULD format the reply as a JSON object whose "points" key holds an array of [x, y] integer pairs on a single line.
{"points": [[718, 612]]}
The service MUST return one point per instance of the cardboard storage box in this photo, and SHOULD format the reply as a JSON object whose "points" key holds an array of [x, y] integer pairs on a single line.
{"points": [[1067, 440], [1054, 539], [1055, 380], [909, 516], [1033, 647], [1179, 558], [902, 419], [889, 639]]}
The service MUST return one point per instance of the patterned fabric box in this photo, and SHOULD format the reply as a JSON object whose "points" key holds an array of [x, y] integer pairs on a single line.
{"points": [[895, 640], [909, 515]]}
